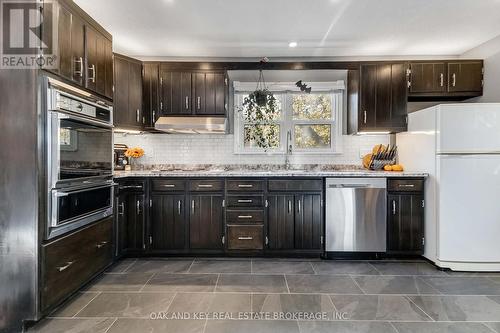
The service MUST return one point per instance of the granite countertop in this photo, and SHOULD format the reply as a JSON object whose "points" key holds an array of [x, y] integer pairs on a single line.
{"points": [[262, 171]]}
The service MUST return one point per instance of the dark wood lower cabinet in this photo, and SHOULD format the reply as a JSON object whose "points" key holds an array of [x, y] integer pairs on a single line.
{"points": [[405, 228], [130, 221], [308, 227], [168, 222], [280, 221], [206, 221]]}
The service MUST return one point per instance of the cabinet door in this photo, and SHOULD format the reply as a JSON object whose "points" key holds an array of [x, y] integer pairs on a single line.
{"points": [[428, 77], [104, 67], [308, 230], [135, 94], [405, 229], [134, 209], [368, 97], [281, 222], [150, 93], [168, 222], [91, 37], [465, 77], [399, 97], [78, 49], [64, 18], [166, 93], [383, 97], [181, 93], [120, 100], [121, 225], [200, 92], [215, 94], [205, 221]]}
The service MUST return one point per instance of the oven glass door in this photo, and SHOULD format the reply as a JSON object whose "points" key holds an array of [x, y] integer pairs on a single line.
{"points": [[80, 148], [77, 204]]}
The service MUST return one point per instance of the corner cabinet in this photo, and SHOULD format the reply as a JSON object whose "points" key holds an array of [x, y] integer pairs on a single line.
{"points": [[128, 111], [377, 98], [405, 212], [445, 80], [84, 49]]}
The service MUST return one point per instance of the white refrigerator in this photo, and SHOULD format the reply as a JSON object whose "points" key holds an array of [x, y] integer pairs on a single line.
{"points": [[459, 146]]}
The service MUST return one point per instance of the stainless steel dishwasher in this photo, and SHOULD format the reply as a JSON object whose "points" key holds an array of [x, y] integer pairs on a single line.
{"points": [[356, 212]]}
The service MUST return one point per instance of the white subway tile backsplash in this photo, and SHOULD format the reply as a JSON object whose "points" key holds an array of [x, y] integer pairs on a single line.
{"points": [[219, 149]]}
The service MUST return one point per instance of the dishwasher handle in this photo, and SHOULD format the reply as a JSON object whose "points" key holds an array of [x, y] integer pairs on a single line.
{"points": [[349, 186]]}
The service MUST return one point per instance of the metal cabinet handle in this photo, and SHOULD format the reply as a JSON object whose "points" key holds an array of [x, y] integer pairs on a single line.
{"points": [[179, 205], [92, 78], [298, 207], [187, 103], [62, 268], [198, 101], [153, 117], [161, 106], [245, 185], [205, 185], [453, 79], [289, 206], [130, 186], [80, 71], [407, 185], [245, 238], [138, 206], [245, 201], [102, 244], [393, 207], [245, 216], [192, 206], [364, 117], [137, 115], [267, 203], [169, 185], [441, 79], [122, 206]]}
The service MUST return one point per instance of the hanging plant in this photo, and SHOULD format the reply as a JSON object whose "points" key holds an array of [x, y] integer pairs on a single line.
{"points": [[261, 107]]}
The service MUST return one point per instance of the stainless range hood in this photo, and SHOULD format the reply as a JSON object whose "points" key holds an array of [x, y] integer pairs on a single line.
{"points": [[192, 125]]}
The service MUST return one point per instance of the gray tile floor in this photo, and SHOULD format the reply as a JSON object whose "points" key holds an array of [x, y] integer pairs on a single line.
{"points": [[279, 295]]}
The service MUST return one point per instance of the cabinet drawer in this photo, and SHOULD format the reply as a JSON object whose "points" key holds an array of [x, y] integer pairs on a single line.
{"points": [[245, 200], [69, 262], [168, 185], [206, 185], [132, 185], [245, 237], [245, 216], [405, 185], [278, 185], [242, 185]]}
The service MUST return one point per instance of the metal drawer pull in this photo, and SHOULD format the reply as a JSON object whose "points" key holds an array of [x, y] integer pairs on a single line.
{"points": [[245, 238], [454, 80], [205, 185], [130, 186], [245, 201], [245, 185], [407, 185], [62, 268], [245, 216], [168, 185], [102, 244]]}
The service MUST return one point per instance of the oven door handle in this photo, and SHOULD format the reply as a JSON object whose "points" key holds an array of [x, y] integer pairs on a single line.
{"points": [[85, 120]]}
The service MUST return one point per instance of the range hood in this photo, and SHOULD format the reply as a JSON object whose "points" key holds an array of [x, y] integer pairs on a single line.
{"points": [[192, 125]]}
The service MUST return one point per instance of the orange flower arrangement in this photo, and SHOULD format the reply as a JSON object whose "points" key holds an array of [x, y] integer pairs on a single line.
{"points": [[135, 152]]}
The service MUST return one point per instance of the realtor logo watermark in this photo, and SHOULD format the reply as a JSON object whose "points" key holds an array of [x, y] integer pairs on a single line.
{"points": [[28, 35]]}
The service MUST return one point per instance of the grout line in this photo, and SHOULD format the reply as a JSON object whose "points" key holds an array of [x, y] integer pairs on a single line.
{"points": [[114, 321], [145, 284], [411, 301], [357, 284], [333, 304], [376, 269], [491, 328], [205, 325], [419, 278], [128, 267], [394, 327], [74, 316], [216, 283], [286, 281], [314, 270], [171, 302], [251, 266], [189, 269]]}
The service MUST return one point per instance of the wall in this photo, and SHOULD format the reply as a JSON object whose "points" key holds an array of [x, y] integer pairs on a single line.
{"points": [[490, 52], [218, 149]]}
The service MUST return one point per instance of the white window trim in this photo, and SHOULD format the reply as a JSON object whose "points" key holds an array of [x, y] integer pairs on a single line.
{"points": [[286, 122]]}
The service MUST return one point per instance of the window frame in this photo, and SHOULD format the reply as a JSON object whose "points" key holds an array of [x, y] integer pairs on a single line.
{"points": [[287, 124]]}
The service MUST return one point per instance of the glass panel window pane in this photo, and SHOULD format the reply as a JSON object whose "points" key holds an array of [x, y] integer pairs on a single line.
{"points": [[313, 136], [312, 106], [262, 136], [261, 114]]}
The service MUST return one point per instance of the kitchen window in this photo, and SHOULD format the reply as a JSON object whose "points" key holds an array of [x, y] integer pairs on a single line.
{"points": [[310, 123]]}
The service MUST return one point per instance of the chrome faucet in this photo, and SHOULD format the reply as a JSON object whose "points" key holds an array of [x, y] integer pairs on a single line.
{"points": [[288, 150]]}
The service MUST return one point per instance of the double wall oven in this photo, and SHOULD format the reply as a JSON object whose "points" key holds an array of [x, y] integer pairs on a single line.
{"points": [[79, 157]]}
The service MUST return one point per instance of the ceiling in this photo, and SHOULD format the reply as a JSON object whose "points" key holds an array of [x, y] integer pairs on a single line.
{"points": [[322, 28]]}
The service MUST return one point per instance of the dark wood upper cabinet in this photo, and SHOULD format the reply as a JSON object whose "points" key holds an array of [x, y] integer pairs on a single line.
{"points": [[168, 222], [127, 112], [445, 80], [84, 49], [206, 221], [209, 94], [465, 76], [150, 89], [382, 90]]}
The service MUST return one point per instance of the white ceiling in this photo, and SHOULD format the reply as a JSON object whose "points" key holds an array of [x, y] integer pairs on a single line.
{"points": [[322, 28]]}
